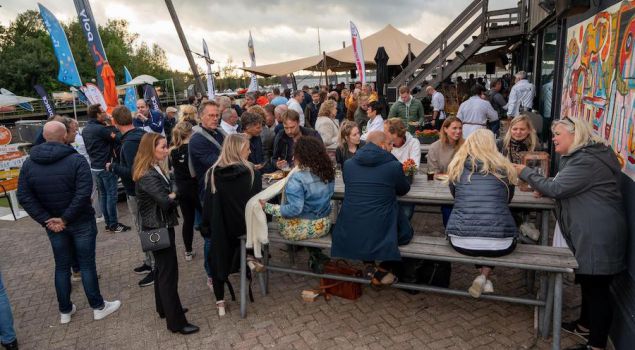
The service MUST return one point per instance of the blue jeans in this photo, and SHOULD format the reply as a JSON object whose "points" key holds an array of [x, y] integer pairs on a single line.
{"points": [[107, 188], [80, 239], [7, 333]]}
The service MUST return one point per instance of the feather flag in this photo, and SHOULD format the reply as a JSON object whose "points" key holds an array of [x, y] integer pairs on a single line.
{"points": [[93, 94], [358, 51], [131, 92], [211, 88], [253, 84], [67, 72], [89, 27]]}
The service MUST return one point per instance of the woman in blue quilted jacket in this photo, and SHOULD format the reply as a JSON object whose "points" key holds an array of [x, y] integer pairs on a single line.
{"points": [[481, 224]]}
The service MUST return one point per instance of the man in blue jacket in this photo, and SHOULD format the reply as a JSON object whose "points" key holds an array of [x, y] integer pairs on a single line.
{"points": [[206, 142], [54, 188], [370, 226], [147, 119], [100, 142], [130, 139]]}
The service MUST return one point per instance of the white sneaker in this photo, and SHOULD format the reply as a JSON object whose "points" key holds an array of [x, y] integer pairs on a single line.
{"points": [[220, 305], [488, 287], [476, 288], [109, 307], [189, 256], [100, 219], [66, 318], [529, 229]]}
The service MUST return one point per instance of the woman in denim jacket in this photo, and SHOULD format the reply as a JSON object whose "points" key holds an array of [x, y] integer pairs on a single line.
{"points": [[306, 199]]}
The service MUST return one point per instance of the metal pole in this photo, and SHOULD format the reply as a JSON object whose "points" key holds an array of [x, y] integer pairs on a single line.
{"points": [[557, 311], [74, 108], [326, 74], [186, 47], [243, 277], [173, 92]]}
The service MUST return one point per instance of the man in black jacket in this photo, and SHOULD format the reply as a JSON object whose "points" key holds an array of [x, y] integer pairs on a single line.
{"points": [[285, 139], [54, 187], [130, 139], [99, 144]]}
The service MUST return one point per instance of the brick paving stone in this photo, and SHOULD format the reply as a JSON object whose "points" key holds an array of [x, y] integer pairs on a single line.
{"points": [[380, 319]]}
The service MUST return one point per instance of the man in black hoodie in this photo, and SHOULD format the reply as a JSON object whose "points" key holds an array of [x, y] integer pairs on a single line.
{"points": [[54, 188], [130, 139]]}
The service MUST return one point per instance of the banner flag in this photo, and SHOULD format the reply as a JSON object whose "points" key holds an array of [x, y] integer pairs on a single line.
{"points": [[358, 50], [211, 85], [131, 92], [48, 106], [253, 84], [94, 96], [151, 97], [89, 27], [67, 72]]}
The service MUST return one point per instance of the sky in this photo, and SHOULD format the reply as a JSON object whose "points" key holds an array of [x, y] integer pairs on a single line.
{"points": [[281, 30]]}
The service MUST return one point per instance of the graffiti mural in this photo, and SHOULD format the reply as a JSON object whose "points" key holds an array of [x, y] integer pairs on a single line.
{"points": [[599, 84]]}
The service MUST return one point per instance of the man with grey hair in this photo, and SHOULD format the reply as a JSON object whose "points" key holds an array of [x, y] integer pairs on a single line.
{"points": [[229, 121], [295, 103], [521, 96], [54, 188], [278, 112], [169, 122]]}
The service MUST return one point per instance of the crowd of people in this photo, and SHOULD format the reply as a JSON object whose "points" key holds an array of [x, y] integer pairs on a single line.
{"points": [[216, 153]]}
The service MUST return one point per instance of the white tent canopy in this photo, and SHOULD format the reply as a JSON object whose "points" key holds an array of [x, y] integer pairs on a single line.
{"points": [[394, 42], [13, 100], [140, 80]]}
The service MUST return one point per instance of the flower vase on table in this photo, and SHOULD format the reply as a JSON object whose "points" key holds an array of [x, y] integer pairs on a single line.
{"points": [[410, 169], [428, 136]]}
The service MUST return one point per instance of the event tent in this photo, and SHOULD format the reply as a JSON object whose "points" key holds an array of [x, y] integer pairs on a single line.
{"points": [[394, 42]]}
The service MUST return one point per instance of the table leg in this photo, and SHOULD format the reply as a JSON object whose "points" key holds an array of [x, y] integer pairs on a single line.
{"points": [[265, 260], [557, 311], [243, 278], [548, 307], [544, 227]]}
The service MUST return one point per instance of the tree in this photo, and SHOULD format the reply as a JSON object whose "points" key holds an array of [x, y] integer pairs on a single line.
{"points": [[27, 55]]}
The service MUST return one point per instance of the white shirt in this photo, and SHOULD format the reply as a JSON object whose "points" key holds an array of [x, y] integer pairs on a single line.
{"points": [[438, 104], [474, 113], [228, 128], [377, 124], [160, 171], [521, 95], [411, 149], [295, 105]]}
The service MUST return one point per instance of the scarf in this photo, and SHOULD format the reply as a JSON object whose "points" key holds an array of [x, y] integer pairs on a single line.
{"points": [[515, 148]]}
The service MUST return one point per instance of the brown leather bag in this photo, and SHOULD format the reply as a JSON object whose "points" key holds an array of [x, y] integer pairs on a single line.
{"points": [[342, 289]]}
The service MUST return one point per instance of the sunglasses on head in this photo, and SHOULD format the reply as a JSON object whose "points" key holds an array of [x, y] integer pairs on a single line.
{"points": [[570, 121]]}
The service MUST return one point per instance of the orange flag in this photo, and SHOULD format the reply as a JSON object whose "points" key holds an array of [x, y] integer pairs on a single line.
{"points": [[110, 89]]}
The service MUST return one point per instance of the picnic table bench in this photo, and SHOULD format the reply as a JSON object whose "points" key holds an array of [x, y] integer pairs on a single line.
{"points": [[551, 260]]}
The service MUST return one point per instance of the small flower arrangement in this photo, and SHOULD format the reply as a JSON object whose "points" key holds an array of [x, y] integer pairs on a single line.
{"points": [[427, 136], [410, 167]]}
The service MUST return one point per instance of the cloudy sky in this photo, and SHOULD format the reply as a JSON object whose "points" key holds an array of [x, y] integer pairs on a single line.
{"points": [[281, 30]]}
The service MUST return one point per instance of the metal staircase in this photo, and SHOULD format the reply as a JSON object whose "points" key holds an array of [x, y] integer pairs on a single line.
{"points": [[472, 29]]}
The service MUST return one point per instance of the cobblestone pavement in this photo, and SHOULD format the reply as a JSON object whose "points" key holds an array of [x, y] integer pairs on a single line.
{"points": [[388, 318]]}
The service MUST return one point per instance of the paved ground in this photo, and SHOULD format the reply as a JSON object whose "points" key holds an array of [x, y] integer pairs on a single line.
{"points": [[380, 319]]}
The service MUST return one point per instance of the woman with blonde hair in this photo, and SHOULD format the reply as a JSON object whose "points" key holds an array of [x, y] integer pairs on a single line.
{"points": [[481, 224], [591, 220], [157, 209], [188, 113], [348, 143], [520, 137], [186, 185], [229, 184], [326, 124]]}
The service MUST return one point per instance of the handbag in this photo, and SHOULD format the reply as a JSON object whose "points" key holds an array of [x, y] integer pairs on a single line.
{"points": [[342, 289], [154, 239]]}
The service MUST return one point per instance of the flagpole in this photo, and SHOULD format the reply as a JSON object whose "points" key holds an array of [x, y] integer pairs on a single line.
{"points": [[74, 108]]}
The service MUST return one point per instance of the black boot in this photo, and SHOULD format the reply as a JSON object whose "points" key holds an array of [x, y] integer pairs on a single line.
{"points": [[11, 346]]}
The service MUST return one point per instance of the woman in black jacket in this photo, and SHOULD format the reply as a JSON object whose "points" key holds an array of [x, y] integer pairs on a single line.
{"points": [[229, 184], [186, 185], [157, 209]]}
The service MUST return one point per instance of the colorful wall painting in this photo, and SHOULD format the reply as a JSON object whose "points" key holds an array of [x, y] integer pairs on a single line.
{"points": [[599, 78]]}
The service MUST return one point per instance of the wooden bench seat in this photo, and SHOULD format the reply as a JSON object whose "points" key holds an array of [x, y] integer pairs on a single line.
{"points": [[550, 260]]}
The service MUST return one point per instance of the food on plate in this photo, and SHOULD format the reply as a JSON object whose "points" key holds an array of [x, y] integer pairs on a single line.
{"points": [[276, 175]]}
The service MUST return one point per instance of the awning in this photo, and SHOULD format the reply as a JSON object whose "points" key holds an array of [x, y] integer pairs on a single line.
{"points": [[140, 80], [394, 42]]}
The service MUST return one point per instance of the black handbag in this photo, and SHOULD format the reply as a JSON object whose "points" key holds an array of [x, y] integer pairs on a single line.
{"points": [[154, 239]]}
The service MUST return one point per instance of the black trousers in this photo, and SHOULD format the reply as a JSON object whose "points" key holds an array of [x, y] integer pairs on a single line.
{"points": [[189, 203], [166, 286], [596, 312], [485, 253]]}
